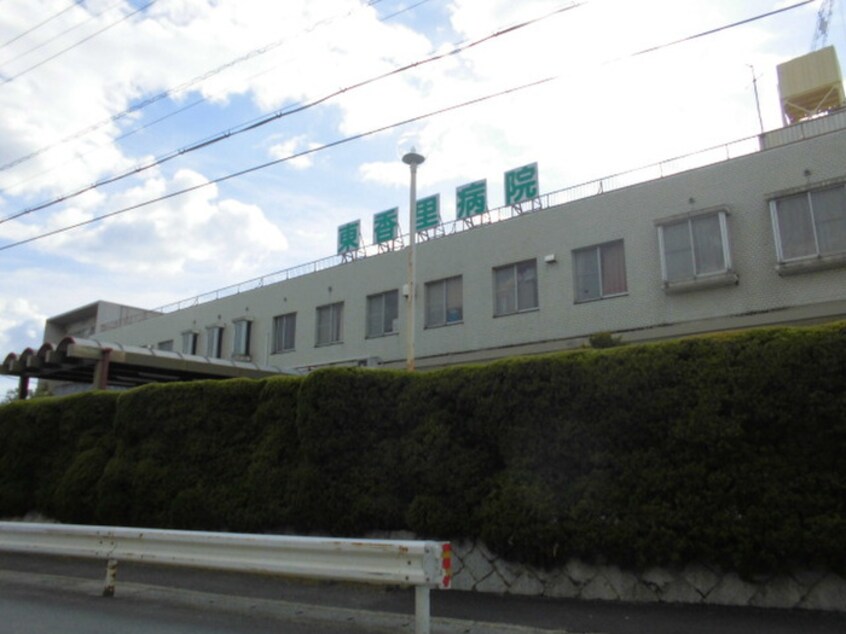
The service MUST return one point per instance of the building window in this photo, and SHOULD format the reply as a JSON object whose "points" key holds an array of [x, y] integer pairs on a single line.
{"points": [[444, 305], [329, 320], [189, 342], [515, 288], [284, 332], [241, 343], [382, 314], [214, 341], [165, 345], [695, 251], [810, 225], [600, 271]]}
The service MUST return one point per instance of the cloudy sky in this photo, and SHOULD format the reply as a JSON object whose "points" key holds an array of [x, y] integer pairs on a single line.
{"points": [[94, 89]]}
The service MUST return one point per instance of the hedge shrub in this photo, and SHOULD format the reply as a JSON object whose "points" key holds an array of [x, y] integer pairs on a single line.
{"points": [[182, 452], [350, 474], [722, 450], [52, 454], [268, 480], [450, 454]]}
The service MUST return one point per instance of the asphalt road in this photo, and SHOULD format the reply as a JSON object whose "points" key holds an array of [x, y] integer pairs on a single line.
{"points": [[58, 594], [26, 609]]}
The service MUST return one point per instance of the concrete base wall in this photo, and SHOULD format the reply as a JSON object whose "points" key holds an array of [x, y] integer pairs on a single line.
{"points": [[477, 569]]}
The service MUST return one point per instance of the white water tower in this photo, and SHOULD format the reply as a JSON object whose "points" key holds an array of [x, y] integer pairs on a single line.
{"points": [[810, 85]]}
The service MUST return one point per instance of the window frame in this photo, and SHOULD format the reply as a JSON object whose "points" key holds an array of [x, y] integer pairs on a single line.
{"points": [[242, 337], [443, 285], [382, 299], [192, 338], [514, 268], [723, 277], [282, 320], [597, 249], [336, 324], [214, 341], [811, 261]]}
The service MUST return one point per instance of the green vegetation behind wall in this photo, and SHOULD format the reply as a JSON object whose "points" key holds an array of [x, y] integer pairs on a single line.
{"points": [[52, 454], [182, 454], [724, 450]]}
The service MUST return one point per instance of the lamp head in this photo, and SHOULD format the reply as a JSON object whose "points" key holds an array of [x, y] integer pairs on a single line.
{"points": [[413, 158]]}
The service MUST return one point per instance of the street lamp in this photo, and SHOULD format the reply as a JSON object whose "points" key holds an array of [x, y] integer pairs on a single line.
{"points": [[412, 159]]}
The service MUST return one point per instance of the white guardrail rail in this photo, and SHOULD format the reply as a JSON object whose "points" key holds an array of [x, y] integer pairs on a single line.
{"points": [[421, 564]]}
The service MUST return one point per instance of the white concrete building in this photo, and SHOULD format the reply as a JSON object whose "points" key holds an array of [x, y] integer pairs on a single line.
{"points": [[753, 235]]}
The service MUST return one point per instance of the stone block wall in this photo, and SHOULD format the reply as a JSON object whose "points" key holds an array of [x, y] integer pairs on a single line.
{"points": [[476, 568]]}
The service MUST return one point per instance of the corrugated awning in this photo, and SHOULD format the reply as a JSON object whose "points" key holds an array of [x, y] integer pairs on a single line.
{"points": [[111, 364]]}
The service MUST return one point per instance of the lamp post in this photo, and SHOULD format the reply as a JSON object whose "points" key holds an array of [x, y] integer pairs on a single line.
{"points": [[412, 159]]}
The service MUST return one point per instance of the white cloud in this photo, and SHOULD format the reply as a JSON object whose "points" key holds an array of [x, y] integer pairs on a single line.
{"points": [[606, 110], [329, 45], [196, 229], [293, 146], [171, 44], [20, 323]]}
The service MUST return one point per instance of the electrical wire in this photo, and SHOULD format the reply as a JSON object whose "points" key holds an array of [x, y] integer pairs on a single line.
{"points": [[725, 27], [154, 122], [120, 137], [184, 86], [385, 128], [91, 17], [262, 166], [12, 78], [285, 112], [42, 23]]}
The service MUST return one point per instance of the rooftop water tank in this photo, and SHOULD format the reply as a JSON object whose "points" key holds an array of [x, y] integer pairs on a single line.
{"points": [[810, 85]]}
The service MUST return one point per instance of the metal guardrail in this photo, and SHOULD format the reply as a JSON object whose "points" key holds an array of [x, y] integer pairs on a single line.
{"points": [[655, 171], [422, 564]]}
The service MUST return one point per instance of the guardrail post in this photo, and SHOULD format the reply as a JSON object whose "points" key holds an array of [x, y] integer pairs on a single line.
{"points": [[111, 578], [422, 620]]}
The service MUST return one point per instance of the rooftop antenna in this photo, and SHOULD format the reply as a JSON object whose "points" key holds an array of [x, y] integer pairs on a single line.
{"points": [[757, 99]]}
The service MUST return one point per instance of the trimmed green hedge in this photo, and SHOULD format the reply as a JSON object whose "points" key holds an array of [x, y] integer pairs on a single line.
{"points": [[349, 433], [724, 450], [182, 453], [52, 454]]}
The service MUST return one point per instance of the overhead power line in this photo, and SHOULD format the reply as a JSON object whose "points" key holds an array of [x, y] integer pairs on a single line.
{"points": [[60, 35], [726, 27], [262, 166], [173, 113], [11, 78], [42, 23], [384, 128], [183, 86], [279, 114]]}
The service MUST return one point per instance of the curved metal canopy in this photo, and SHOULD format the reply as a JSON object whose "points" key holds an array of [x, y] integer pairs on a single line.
{"points": [[103, 365]]}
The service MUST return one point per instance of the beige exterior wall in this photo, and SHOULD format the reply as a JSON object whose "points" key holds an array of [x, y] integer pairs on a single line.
{"points": [[88, 320], [742, 185]]}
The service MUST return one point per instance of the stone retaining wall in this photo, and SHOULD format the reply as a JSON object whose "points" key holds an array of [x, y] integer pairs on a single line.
{"points": [[477, 568]]}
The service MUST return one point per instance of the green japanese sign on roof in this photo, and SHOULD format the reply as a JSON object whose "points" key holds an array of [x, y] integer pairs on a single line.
{"points": [[521, 184], [386, 226], [428, 212], [349, 237], [471, 199]]}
